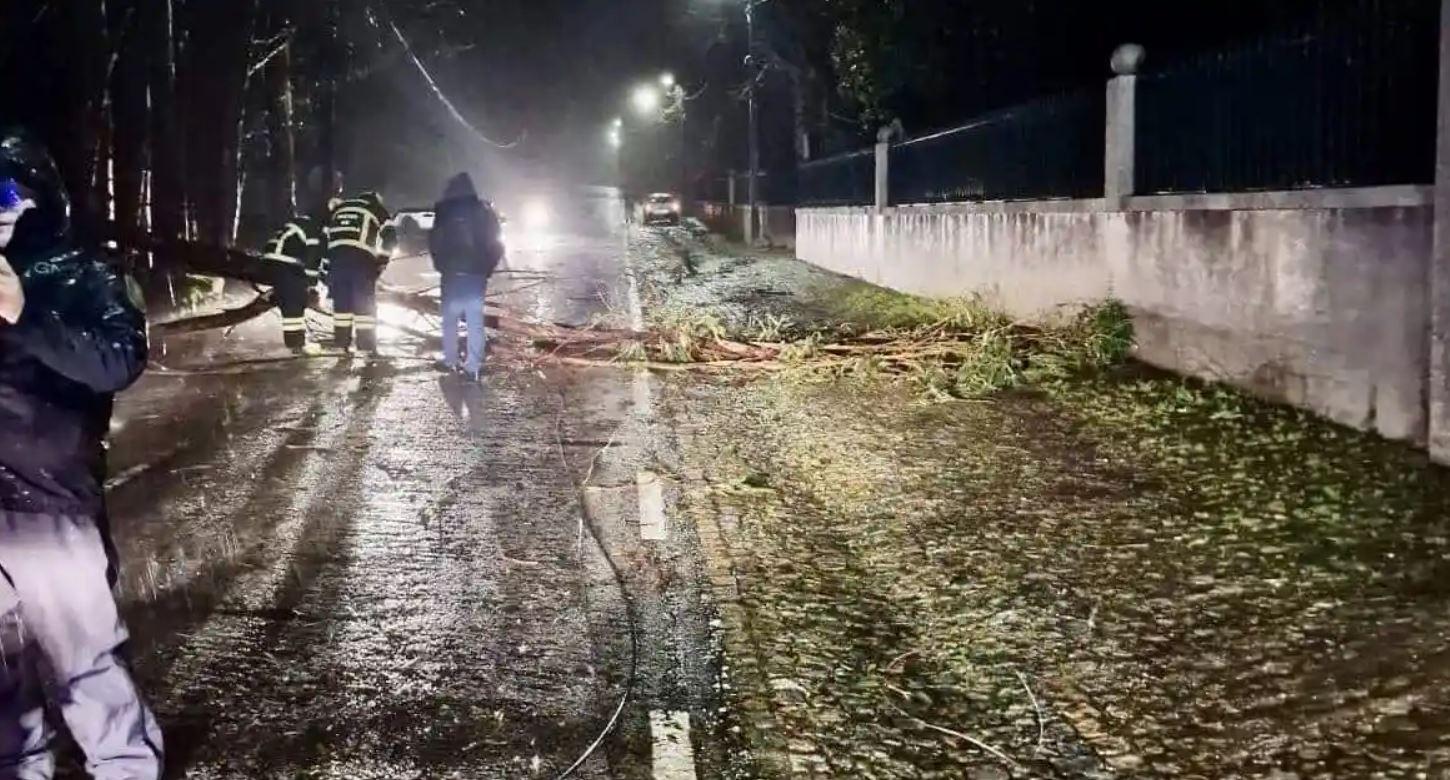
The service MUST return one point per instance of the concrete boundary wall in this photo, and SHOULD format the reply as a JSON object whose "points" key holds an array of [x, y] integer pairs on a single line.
{"points": [[777, 223], [1317, 298]]}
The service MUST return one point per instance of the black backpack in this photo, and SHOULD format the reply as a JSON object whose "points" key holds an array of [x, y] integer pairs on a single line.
{"points": [[454, 242]]}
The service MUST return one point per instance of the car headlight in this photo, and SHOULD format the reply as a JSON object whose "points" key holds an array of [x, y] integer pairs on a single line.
{"points": [[537, 215]]}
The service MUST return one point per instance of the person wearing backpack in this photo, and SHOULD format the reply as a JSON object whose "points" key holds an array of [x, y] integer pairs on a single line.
{"points": [[466, 248]]}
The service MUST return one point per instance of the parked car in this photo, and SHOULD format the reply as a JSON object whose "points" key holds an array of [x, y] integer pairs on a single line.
{"points": [[662, 207], [412, 226], [414, 219]]}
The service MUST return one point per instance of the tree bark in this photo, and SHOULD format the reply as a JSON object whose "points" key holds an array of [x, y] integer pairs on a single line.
{"points": [[167, 184], [283, 175], [81, 154], [332, 64], [129, 121]]}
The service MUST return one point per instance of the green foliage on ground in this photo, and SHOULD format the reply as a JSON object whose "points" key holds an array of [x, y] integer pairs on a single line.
{"points": [[868, 307], [943, 348]]}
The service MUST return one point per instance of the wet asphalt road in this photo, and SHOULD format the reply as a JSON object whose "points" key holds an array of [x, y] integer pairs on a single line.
{"points": [[350, 568]]}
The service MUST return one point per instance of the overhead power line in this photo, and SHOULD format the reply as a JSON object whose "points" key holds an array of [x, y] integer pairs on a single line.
{"points": [[433, 85]]}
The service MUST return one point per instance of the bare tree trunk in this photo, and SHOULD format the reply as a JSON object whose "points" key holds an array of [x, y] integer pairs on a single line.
{"points": [[282, 199], [215, 88], [101, 191], [332, 67], [82, 152], [129, 119], [168, 184]]}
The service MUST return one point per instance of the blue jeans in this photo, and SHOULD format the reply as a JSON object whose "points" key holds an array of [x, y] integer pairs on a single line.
{"points": [[463, 300]]}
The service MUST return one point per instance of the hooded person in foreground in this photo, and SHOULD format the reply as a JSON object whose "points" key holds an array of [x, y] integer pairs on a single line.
{"points": [[70, 338]]}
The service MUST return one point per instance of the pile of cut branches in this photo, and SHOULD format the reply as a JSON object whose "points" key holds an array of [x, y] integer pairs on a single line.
{"points": [[945, 349], [960, 357]]}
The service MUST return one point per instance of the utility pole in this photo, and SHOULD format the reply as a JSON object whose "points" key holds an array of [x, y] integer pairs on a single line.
{"points": [[752, 191], [679, 99]]}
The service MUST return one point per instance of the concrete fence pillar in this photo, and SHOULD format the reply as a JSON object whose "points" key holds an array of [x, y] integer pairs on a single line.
{"points": [[1120, 155], [730, 187], [1439, 287], [883, 174]]}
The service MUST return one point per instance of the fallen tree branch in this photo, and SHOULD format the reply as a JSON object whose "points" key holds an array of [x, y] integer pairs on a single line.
{"points": [[263, 303], [714, 365]]}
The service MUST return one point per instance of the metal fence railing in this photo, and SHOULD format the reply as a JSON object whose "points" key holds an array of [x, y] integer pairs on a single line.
{"points": [[771, 188], [1050, 148], [844, 180], [1345, 96], [1355, 107]]}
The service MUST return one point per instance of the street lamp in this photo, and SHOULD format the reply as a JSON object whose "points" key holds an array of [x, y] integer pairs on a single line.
{"points": [[659, 101]]}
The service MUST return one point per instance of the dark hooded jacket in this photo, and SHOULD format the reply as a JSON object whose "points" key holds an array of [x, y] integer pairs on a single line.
{"points": [[80, 338], [465, 237]]}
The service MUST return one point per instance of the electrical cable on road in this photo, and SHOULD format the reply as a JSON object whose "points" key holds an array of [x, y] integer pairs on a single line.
{"points": [[587, 519]]}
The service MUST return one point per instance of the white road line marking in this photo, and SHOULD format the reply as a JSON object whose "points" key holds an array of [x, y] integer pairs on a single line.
{"points": [[674, 755], [652, 524], [636, 310], [643, 403], [644, 407]]}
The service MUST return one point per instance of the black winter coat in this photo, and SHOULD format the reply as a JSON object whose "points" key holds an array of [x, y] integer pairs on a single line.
{"points": [[465, 237], [80, 339]]}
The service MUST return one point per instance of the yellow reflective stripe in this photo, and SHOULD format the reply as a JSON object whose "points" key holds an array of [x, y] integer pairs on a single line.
{"points": [[334, 244], [366, 323], [281, 258], [293, 326], [369, 220], [342, 319], [367, 214], [280, 241], [370, 223]]}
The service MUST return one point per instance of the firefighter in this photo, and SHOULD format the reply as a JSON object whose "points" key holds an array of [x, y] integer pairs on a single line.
{"points": [[298, 247], [359, 245]]}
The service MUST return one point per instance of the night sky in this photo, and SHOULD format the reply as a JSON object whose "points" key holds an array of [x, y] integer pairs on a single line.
{"points": [[551, 74], [548, 75]]}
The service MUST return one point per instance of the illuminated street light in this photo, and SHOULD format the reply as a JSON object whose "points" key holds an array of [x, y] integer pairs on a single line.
{"points": [[646, 99], [614, 139], [617, 124], [667, 80]]}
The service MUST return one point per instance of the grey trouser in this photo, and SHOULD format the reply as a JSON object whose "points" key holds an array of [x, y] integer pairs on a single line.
{"points": [[60, 638]]}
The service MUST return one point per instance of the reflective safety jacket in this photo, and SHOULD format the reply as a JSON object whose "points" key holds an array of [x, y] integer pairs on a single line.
{"points": [[298, 243], [361, 223]]}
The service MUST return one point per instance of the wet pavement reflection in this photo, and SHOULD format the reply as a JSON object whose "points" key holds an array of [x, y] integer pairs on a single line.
{"points": [[360, 568]]}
